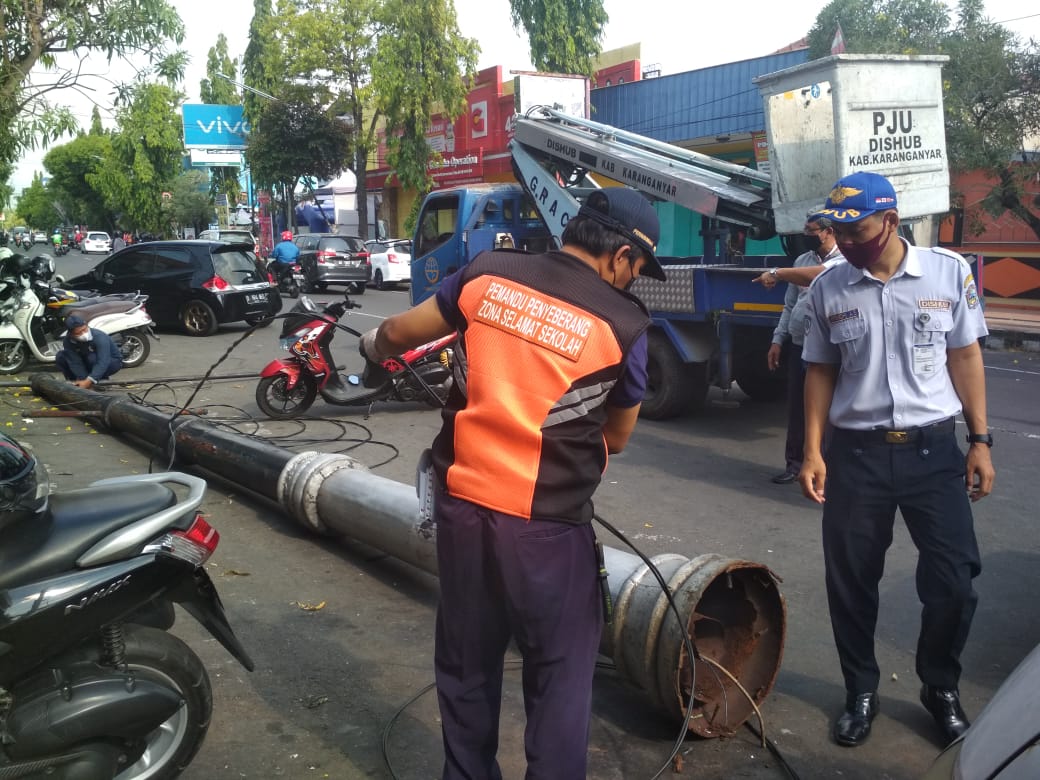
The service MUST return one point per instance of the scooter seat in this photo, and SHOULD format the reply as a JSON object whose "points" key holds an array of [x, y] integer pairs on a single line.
{"points": [[89, 311], [44, 545]]}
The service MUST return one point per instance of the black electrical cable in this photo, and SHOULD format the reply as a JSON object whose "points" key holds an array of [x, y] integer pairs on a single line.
{"points": [[691, 649]]}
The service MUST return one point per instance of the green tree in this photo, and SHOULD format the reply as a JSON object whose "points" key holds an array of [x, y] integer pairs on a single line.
{"points": [[32, 35], [220, 91], [330, 44], [190, 204], [296, 137], [991, 85], [36, 205], [881, 26], [260, 63], [146, 155], [565, 36], [992, 103], [213, 88], [71, 165], [422, 63], [96, 127]]}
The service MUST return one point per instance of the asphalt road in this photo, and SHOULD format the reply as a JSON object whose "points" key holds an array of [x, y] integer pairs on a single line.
{"points": [[329, 680]]}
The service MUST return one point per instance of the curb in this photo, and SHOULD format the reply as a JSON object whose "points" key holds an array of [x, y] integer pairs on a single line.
{"points": [[1013, 341]]}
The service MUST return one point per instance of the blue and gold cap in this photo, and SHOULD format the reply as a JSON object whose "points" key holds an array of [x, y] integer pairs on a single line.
{"points": [[857, 196]]}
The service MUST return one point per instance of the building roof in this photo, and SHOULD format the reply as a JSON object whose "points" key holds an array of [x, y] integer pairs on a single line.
{"points": [[711, 102]]}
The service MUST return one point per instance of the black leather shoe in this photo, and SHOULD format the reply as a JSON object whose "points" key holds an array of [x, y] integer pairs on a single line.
{"points": [[786, 478], [853, 726], [944, 705]]}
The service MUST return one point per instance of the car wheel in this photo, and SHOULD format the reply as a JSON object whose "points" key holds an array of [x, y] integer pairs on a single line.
{"points": [[198, 318], [378, 281]]}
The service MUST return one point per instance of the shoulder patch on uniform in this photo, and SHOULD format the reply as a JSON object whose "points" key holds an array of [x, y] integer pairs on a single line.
{"points": [[934, 303], [969, 279], [971, 296], [841, 316]]}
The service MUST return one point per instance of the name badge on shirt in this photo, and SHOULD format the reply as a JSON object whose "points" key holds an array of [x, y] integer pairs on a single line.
{"points": [[924, 359]]}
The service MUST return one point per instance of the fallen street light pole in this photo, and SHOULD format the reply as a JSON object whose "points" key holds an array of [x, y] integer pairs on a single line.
{"points": [[732, 610]]}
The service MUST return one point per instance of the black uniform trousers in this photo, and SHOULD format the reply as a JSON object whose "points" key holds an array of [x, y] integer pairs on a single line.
{"points": [[535, 581], [867, 480], [794, 447]]}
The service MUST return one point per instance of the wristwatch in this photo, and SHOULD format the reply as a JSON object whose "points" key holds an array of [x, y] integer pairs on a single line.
{"points": [[773, 273], [980, 438]]}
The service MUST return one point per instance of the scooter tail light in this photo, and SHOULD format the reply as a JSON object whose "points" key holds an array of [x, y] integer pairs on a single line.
{"points": [[216, 283], [193, 546]]}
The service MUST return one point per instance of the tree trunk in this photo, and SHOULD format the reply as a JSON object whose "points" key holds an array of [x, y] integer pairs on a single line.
{"points": [[361, 189]]}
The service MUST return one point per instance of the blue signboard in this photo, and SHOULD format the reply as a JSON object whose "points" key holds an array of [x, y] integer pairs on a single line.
{"points": [[214, 127]]}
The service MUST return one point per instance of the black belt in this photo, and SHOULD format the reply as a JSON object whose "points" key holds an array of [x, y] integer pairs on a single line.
{"points": [[904, 436]]}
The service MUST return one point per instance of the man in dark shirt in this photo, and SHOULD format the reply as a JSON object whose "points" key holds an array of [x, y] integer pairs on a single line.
{"points": [[88, 355]]}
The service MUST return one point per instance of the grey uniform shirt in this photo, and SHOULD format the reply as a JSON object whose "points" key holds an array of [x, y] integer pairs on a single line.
{"points": [[792, 318], [891, 338]]}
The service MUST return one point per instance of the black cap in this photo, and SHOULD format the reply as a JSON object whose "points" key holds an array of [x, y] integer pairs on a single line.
{"points": [[74, 321], [627, 212]]}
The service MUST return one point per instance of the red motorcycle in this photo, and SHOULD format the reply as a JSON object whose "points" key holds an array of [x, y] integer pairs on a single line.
{"points": [[288, 386]]}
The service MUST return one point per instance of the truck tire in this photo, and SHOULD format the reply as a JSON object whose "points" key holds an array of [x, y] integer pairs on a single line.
{"points": [[673, 388]]}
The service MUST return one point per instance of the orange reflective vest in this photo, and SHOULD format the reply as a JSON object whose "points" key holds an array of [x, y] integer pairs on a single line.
{"points": [[543, 341]]}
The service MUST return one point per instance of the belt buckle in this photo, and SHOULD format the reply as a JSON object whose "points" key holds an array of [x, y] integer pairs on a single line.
{"points": [[896, 437]]}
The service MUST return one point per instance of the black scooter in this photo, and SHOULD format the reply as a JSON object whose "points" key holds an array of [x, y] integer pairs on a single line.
{"points": [[290, 279], [94, 686]]}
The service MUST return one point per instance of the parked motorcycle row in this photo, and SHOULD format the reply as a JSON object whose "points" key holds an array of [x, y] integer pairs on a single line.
{"points": [[33, 312]]}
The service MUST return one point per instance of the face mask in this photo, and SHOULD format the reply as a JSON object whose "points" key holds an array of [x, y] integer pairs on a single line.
{"points": [[88, 336], [812, 241], [869, 252]]}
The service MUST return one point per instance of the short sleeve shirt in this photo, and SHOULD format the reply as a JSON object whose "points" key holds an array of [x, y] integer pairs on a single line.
{"points": [[631, 385], [890, 338]]}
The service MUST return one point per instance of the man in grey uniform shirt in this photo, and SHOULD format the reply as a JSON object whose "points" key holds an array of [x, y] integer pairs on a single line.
{"points": [[891, 342], [791, 330]]}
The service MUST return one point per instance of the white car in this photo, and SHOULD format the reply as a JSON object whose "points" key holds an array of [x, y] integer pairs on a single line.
{"points": [[39, 237], [96, 241], [391, 261]]}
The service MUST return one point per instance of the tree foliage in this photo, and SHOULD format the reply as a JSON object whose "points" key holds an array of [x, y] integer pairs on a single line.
{"points": [[260, 62], [213, 88], [190, 204], [991, 85], [36, 206], [329, 44], [422, 64], [70, 166], [296, 137], [33, 35], [992, 103], [565, 36], [223, 179], [146, 156], [881, 26]]}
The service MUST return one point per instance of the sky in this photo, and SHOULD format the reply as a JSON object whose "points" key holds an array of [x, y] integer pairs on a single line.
{"points": [[673, 35]]}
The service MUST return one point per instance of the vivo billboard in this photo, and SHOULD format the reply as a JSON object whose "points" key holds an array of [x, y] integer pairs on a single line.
{"points": [[214, 127]]}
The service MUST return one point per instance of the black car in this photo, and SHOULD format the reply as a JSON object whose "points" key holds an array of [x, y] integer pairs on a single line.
{"points": [[194, 284], [329, 258]]}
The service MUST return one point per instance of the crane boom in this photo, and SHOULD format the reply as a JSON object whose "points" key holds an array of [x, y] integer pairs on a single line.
{"points": [[714, 188]]}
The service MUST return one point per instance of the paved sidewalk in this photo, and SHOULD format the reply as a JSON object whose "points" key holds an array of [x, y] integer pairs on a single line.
{"points": [[1012, 327]]}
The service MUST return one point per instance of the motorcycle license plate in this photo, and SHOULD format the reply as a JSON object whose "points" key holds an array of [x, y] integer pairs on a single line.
{"points": [[257, 298]]}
